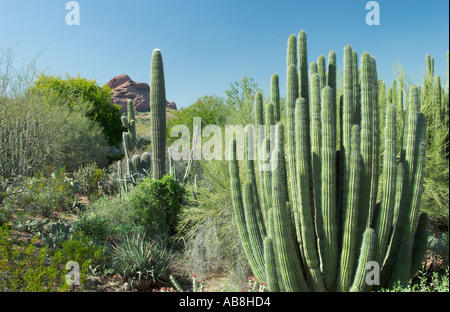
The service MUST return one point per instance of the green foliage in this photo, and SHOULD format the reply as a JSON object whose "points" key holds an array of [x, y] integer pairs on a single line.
{"points": [[26, 268], [38, 131], [239, 101], [88, 178], [206, 226], [423, 283], [95, 226], [42, 195], [438, 249], [210, 108], [81, 248], [158, 202], [99, 98], [140, 262]]}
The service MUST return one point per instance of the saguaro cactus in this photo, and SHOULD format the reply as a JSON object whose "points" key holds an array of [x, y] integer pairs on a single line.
{"points": [[158, 115], [129, 122], [316, 236]]}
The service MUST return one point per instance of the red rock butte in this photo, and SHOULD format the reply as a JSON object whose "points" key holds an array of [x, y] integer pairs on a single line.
{"points": [[124, 89]]}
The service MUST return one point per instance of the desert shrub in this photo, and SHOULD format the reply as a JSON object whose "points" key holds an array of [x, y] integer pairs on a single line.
{"points": [[153, 205], [158, 203], [424, 283], [27, 268], [41, 195], [100, 109], [82, 248], [207, 228], [88, 178], [92, 225], [140, 262], [37, 132], [438, 251]]}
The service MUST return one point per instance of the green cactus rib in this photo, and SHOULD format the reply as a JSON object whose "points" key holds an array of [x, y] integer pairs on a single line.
{"points": [[266, 194], [305, 213], [271, 266], [158, 115], [275, 96], [291, 58], [384, 220], [366, 143], [239, 213], [331, 74], [328, 187], [254, 230], [390, 257], [366, 255], [321, 71], [345, 128], [350, 227], [375, 162], [279, 279], [251, 177], [291, 97], [420, 243], [356, 98], [287, 251], [419, 171]]}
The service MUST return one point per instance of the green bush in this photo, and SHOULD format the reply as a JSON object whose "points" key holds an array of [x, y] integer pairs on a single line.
{"points": [[25, 268], [152, 205], [82, 248], [158, 203], [88, 178], [41, 195], [433, 283], [37, 132], [208, 229], [108, 217], [99, 98]]}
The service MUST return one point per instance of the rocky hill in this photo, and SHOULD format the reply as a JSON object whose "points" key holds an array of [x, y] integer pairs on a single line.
{"points": [[124, 89]]}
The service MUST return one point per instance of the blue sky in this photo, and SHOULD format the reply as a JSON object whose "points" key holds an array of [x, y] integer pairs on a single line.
{"points": [[208, 44]]}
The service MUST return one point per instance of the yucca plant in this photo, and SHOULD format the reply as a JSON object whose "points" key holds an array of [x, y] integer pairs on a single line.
{"points": [[140, 262]]}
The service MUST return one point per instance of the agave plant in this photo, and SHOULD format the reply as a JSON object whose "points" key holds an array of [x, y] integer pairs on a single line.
{"points": [[140, 262]]}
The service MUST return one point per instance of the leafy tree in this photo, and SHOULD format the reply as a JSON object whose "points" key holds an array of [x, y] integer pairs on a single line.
{"points": [[240, 100], [100, 108], [210, 108]]}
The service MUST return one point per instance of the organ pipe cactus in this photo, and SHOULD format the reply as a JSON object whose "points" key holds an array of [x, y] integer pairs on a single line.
{"points": [[316, 220]]}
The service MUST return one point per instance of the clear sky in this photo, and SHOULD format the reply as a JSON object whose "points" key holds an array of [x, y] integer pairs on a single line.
{"points": [[208, 44]]}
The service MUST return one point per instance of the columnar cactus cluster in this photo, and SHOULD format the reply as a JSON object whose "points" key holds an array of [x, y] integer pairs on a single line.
{"points": [[316, 220], [18, 141]]}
